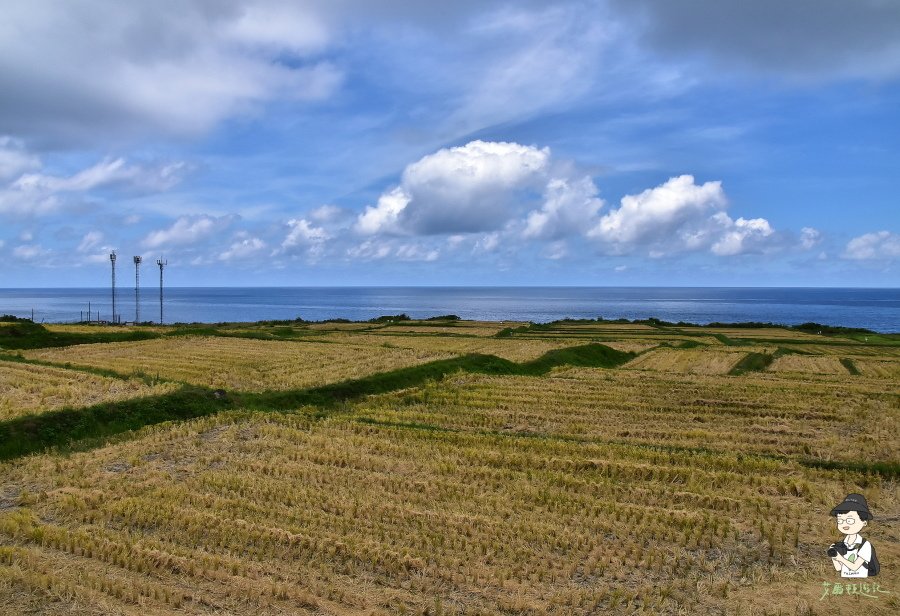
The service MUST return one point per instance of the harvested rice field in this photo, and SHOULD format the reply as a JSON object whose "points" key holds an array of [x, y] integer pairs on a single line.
{"points": [[27, 389], [809, 364], [240, 363], [690, 361], [363, 469]]}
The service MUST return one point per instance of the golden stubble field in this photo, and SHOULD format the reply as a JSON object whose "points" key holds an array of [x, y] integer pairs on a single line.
{"points": [[663, 486]]}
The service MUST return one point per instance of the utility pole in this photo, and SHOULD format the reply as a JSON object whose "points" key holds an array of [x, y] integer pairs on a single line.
{"points": [[112, 260], [137, 289], [161, 265]]}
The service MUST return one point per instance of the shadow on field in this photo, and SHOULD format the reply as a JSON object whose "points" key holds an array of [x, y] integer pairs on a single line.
{"points": [[86, 427]]}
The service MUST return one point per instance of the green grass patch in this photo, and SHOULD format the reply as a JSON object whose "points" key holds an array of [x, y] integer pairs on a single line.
{"points": [[27, 335], [63, 428], [726, 340], [752, 362], [850, 366]]}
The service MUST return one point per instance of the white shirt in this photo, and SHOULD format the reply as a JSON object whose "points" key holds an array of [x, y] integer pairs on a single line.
{"points": [[861, 549]]}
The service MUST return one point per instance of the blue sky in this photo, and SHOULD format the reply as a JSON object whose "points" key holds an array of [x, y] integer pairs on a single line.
{"points": [[382, 142]]}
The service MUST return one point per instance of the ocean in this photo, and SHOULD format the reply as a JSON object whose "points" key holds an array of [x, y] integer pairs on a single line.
{"points": [[875, 309]]}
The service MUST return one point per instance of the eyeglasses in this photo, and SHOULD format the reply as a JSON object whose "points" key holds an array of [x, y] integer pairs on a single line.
{"points": [[850, 521]]}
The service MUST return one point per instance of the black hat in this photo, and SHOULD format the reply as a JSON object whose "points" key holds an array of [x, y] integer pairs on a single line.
{"points": [[853, 502]]}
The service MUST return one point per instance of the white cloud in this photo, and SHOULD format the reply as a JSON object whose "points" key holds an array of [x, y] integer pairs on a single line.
{"points": [[384, 216], [682, 216], [488, 188], [79, 70], [470, 188], [532, 61], [487, 242], [14, 160], [415, 252], [243, 248], [464, 189], [186, 230], [809, 237], [328, 213], [743, 236], [38, 194], [657, 213], [30, 252], [16, 203], [105, 173], [375, 249], [556, 250], [570, 207], [871, 246], [369, 250], [304, 236], [278, 27], [90, 241]]}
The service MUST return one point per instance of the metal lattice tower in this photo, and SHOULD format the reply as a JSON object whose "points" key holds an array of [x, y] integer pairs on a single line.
{"points": [[161, 265], [112, 260], [137, 288]]}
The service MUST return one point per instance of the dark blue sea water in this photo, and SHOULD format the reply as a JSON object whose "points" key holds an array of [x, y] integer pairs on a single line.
{"points": [[876, 309]]}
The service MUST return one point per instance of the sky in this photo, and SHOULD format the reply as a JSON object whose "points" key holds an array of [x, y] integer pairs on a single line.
{"points": [[385, 142]]}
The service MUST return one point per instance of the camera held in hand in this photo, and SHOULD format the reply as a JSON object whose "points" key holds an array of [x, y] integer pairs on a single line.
{"points": [[838, 548]]}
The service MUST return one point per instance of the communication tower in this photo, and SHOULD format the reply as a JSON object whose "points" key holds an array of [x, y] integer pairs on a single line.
{"points": [[161, 263], [112, 260], [137, 288]]}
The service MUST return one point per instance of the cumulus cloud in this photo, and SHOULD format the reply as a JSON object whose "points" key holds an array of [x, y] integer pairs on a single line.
{"points": [[384, 216], [682, 216], [880, 245], [304, 237], [569, 207], [508, 192], [243, 248], [464, 189], [658, 212], [186, 230], [743, 236], [809, 237]]}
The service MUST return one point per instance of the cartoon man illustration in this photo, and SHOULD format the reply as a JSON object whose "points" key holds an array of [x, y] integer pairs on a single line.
{"points": [[853, 556]]}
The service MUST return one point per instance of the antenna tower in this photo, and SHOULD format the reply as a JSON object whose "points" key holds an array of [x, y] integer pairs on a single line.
{"points": [[112, 260], [137, 288], [161, 265]]}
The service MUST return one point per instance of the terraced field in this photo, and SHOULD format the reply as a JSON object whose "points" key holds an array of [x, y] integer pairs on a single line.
{"points": [[242, 364], [809, 364], [381, 470], [27, 389], [693, 361]]}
